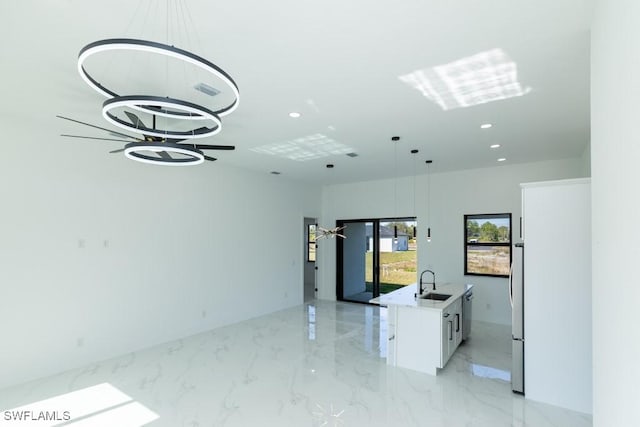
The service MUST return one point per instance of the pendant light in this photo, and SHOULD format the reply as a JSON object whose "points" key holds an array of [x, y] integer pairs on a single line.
{"points": [[428, 162], [395, 139], [415, 228]]}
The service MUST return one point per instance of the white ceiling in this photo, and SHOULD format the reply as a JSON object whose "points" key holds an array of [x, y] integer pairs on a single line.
{"points": [[337, 62]]}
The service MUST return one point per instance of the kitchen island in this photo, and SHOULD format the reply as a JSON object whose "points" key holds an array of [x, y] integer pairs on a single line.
{"points": [[423, 333]]}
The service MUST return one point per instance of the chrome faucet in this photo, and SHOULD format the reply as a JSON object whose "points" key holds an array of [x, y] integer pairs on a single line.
{"points": [[432, 283]]}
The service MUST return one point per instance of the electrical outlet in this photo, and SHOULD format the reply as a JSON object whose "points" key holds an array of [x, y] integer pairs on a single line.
{"points": [[204, 313], [81, 243], [488, 306], [80, 342]]}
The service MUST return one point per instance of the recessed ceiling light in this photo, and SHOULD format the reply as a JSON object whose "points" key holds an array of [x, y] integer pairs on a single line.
{"points": [[329, 166], [485, 126], [352, 154], [294, 115], [495, 146], [275, 173], [501, 159]]}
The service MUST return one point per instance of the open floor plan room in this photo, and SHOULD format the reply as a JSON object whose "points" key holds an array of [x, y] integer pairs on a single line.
{"points": [[250, 213]]}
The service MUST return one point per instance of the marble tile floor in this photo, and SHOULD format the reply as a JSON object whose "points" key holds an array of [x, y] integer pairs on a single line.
{"points": [[318, 364], [360, 297]]}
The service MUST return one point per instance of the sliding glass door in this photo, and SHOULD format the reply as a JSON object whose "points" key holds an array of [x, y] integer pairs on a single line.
{"points": [[355, 261], [376, 257]]}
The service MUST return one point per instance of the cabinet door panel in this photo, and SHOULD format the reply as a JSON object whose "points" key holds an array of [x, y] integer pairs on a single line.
{"points": [[444, 347]]}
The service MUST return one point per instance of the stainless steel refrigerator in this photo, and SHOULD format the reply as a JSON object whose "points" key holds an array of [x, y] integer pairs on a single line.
{"points": [[516, 296]]}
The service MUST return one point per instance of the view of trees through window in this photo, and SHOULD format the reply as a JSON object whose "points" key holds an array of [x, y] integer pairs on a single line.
{"points": [[487, 244], [487, 232]]}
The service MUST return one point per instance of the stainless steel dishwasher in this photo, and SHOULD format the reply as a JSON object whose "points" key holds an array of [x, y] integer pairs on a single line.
{"points": [[467, 299]]}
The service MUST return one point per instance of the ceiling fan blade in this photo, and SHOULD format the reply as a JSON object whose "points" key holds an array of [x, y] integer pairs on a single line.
{"points": [[93, 137], [117, 151], [200, 129], [113, 133], [211, 159], [135, 120], [215, 147], [124, 135]]}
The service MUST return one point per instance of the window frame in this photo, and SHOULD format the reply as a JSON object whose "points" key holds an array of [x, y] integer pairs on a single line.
{"points": [[312, 242], [467, 244]]}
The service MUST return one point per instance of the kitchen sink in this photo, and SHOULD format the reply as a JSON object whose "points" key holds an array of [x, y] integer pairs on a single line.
{"points": [[435, 296]]}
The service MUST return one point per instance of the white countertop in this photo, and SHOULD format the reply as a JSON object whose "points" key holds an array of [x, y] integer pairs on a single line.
{"points": [[405, 296]]}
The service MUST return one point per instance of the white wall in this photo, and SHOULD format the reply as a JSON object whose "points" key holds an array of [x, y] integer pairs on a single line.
{"points": [[187, 250], [615, 142], [586, 161], [454, 194]]}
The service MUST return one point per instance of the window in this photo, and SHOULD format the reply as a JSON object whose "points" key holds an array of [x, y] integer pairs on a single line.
{"points": [[311, 243], [487, 244]]}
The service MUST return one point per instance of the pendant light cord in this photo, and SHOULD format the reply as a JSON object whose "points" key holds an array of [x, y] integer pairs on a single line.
{"points": [[429, 200], [428, 194], [395, 189], [395, 140], [414, 182], [415, 215]]}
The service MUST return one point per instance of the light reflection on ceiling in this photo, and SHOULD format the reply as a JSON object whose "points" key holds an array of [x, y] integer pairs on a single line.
{"points": [[306, 148], [478, 79]]}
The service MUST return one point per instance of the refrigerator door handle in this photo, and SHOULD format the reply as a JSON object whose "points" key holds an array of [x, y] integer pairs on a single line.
{"points": [[511, 285]]}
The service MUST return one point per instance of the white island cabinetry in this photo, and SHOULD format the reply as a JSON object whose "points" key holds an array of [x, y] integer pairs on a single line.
{"points": [[423, 334], [451, 330]]}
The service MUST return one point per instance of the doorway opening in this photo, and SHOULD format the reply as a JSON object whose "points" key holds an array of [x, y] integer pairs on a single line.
{"points": [[378, 256]]}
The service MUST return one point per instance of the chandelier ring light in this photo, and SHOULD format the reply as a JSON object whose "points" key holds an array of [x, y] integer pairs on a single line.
{"points": [[133, 151], [125, 44], [187, 109]]}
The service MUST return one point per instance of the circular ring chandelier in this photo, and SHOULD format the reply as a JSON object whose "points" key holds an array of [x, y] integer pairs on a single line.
{"points": [[193, 156], [186, 110], [124, 44]]}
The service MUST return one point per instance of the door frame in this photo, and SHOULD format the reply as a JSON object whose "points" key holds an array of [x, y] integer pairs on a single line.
{"points": [[376, 254], [308, 269]]}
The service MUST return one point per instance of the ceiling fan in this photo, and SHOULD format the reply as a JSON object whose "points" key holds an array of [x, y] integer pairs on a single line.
{"points": [[154, 149]]}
